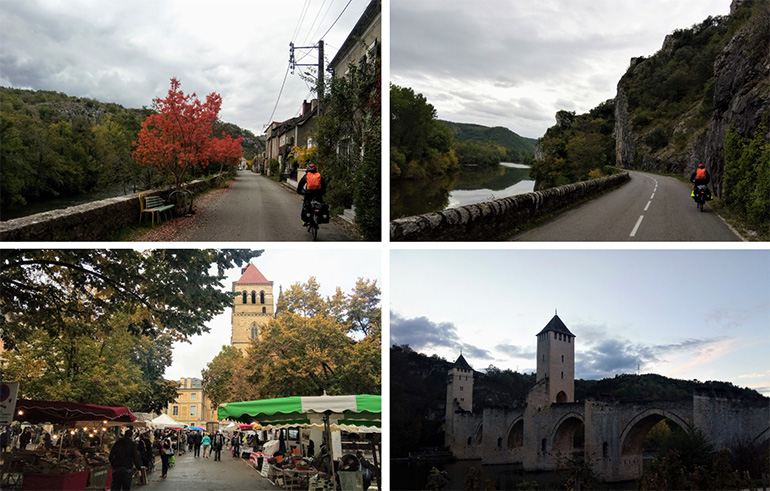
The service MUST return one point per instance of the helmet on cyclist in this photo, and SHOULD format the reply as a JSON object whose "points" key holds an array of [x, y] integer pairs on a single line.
{"points": [[312, 168]]}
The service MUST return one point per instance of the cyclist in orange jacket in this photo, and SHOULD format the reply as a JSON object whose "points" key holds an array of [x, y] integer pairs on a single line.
{"points": [[700, 176], [312, 186]]}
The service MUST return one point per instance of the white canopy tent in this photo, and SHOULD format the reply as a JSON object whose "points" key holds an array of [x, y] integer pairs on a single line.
{"points": [[166, 421]]}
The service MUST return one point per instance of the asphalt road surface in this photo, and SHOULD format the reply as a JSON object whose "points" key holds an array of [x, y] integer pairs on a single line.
{"points": [[647, 208], [255, 208], [206, 474]]}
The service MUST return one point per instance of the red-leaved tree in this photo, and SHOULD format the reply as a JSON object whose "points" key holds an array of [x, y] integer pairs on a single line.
{"points": [[180, 135]]}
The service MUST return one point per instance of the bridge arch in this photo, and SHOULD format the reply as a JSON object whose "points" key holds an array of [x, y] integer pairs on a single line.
{"points": [[563, 435], [477, 436], [515, 437], [632, 436]]}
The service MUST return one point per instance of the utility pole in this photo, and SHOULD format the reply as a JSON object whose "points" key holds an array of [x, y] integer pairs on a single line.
{"points": [[320, 80]]}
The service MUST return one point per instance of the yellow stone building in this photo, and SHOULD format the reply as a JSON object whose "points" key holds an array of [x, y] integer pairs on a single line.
{"points": [[253, 306], [191, 407]]}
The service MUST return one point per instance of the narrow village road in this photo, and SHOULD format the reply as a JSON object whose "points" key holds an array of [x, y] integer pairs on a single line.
{"points": [[254, 208], [648, 208], [207, 474]]}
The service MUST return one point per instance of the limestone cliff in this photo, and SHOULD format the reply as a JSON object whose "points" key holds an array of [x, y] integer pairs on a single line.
{"points": [[676, 120]]}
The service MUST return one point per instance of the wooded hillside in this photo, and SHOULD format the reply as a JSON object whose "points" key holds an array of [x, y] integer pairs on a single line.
{"points": [[52, 145]]}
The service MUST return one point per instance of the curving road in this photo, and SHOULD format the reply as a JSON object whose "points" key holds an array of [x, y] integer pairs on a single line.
{"points": [[255, 208], [647, 208]]}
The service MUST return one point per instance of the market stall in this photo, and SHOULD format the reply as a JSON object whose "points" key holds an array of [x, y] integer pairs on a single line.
{"points": [[72, 466], [327, 412]]}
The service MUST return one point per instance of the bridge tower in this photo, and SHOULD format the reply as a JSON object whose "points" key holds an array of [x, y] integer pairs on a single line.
{"points": [[253, 306], [459, 391], [556, 361]]}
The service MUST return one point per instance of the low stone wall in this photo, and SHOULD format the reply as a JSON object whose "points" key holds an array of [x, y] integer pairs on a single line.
{"points": [[94, 221], [492, 219]]}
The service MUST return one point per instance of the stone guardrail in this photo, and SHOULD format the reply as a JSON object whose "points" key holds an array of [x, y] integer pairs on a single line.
{"points": [[94, 221], [493, 219]]}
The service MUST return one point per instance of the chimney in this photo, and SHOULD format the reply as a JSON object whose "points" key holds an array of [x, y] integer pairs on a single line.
{"points": [[306, 107]]}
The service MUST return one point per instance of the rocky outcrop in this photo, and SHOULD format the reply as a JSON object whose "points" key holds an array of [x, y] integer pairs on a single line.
{"points": [[741, 100], [741, 93]]}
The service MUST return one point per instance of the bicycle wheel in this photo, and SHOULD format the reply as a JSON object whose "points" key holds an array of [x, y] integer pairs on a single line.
{"points": [[314, 230]]}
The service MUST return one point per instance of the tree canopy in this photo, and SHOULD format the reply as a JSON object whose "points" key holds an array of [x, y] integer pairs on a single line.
{"points": [[578, 148], [420, 145], [313, 345], [347, 134], [97, 326], [179, 136], [173, 292]]}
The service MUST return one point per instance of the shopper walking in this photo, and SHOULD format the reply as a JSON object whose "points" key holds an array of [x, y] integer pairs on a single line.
{"points": [[206, 443], [166, 452], [197, 440], [124, 456], [217, 442]]}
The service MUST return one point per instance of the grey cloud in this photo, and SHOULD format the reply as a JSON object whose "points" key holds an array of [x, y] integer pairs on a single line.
{"points": [[516, 351], [424, 335], [604, 357]]}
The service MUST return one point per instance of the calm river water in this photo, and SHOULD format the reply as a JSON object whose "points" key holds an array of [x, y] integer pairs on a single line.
{"points": [[409, 198], [413, 476], [58, 203]]}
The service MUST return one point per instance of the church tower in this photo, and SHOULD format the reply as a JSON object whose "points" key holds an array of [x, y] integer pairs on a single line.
{"points": [[556, 361], [253, 306]]}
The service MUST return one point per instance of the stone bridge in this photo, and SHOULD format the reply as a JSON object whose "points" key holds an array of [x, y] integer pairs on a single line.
{"points": [[541, 435]]}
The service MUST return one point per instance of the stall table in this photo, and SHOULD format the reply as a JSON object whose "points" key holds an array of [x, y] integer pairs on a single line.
{"points": [[74, 481]]}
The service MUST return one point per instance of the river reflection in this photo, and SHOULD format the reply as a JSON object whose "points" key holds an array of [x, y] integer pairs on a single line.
{"points": [[409, 198], [414, 476]]}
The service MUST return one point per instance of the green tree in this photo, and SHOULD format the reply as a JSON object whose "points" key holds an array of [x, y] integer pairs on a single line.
{"points": [[109, 366], [420, 145], [746, 187], [76, 292], [308, 348], [224, 378], [347, 134], [576, 147]]}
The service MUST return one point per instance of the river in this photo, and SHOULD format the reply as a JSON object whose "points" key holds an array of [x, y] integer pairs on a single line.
{"points": [[413, 476], [409, 198], [41, 206]]}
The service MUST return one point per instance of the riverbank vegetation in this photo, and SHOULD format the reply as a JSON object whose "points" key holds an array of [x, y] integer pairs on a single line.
{"points": [[54, 145], [423, 147], [420, 145], [579, 147]]}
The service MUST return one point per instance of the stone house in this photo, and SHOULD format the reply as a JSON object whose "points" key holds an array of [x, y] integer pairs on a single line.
{"points": [[282, 136]]}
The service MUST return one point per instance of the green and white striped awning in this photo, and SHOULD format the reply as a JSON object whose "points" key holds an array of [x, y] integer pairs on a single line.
{"points": [[357, 410]]}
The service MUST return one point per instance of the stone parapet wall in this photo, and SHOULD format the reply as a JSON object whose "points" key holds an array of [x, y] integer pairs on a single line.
{"points": [[492, 219], [95, 221]]}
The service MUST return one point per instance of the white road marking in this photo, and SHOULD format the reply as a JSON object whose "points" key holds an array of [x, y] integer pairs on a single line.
{"points": [[638, 222], [653, 195], [648, 205]]}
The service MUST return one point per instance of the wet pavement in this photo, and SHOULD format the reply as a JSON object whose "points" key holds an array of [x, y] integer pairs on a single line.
{"points": [[206, 474]]}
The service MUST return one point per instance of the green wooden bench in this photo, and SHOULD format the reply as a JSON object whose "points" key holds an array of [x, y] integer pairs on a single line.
{"points": [[154, 206]]}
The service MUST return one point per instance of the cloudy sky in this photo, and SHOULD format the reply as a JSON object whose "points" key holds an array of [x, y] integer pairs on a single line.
{"points": [[515, 63], [687, 314], [332, 268], [126, 51]]}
